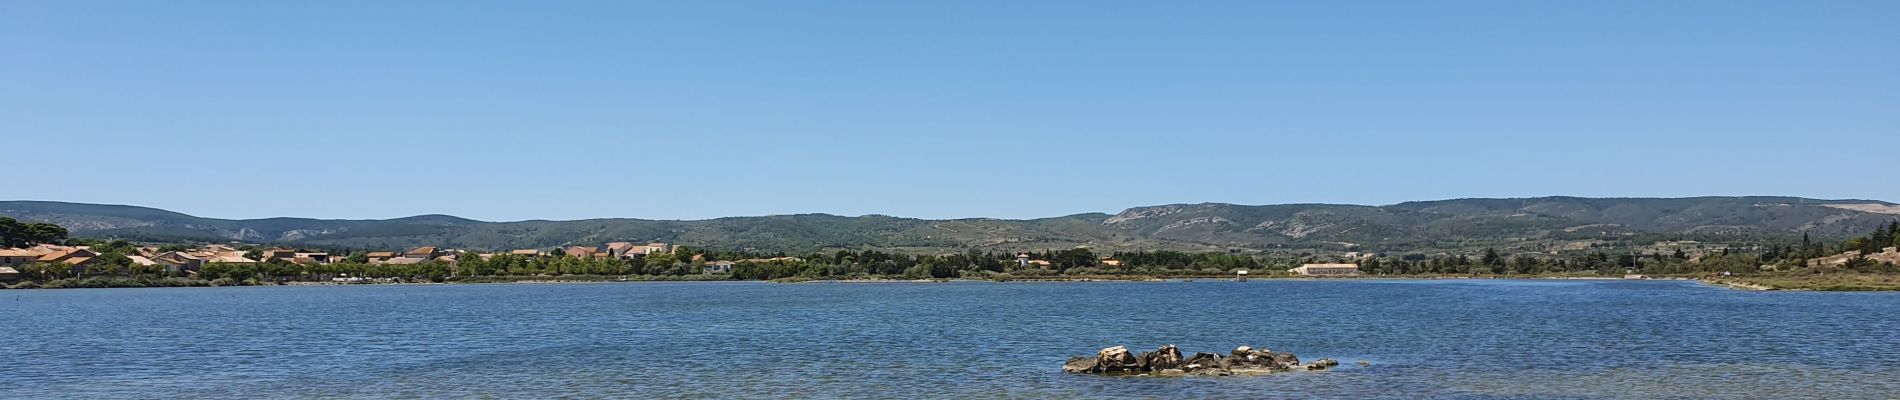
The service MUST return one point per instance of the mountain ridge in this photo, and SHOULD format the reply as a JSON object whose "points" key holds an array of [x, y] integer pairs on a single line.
{"points": [[1551, 222]]}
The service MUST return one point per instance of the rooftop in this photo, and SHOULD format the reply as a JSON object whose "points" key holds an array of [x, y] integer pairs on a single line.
{"points": [[21, 253]]}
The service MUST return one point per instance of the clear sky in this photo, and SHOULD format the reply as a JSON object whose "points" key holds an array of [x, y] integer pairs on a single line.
{"points": [[1011, 109]]}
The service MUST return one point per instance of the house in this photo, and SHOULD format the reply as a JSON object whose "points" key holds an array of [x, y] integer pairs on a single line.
{"points": [[526, 252], [311, 258], [621, 249], [178, 262], [64, 256], [424, 252], [1111, 263], [142, 261], [1022, 260], [49, 248], [21, 256], [1044, 264], [229, 259], [405, 260], [1326, 269], [628, 250], [8, 274], [77, 257], [379, 256], [278, 254], [719, 267], [580, 252], [207, 254]]}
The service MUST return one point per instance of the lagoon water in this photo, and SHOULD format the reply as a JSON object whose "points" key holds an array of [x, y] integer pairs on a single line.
{"points": [[1475, 339]]}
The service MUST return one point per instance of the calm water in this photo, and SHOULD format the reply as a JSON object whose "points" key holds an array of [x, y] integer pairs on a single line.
{"points": [[1423, 339]]}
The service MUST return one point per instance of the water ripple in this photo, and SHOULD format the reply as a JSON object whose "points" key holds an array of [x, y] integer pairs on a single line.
{"points": [[1421, 339]]}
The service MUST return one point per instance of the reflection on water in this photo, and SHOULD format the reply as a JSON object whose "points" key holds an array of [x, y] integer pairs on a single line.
{"points": [[1438, 339]]}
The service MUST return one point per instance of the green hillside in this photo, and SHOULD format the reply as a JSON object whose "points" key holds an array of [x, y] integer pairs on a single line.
{"points": [[1536, 224]]}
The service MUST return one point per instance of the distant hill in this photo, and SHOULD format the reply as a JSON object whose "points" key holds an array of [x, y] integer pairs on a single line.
{"points": [[1541, 224]]}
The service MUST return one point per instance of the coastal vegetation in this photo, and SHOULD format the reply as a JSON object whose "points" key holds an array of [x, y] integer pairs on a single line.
{"points": [[1858, 263]]}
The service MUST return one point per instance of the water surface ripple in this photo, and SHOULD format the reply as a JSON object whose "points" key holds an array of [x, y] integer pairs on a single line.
{"points": [[1422, 339]]}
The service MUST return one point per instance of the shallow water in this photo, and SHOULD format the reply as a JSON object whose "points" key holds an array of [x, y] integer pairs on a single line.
{"points": [[1422, 339]]}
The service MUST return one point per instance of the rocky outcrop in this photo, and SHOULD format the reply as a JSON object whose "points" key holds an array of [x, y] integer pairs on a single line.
{"points": [[1167, 357], [1167, 361]]}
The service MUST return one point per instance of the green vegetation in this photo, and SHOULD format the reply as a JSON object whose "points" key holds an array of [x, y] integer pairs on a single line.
{"points": [[13, 233], [1799, 265], [1462, 226]]}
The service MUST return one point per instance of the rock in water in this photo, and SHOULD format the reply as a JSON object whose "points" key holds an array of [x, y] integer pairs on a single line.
{"points": [[1117, 359], [1200, 361], [1285, 358], [1081, 365], [1166, 357], [1167, 361]]}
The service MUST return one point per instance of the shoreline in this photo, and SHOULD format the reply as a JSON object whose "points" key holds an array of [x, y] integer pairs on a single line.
{"points": [[1841, 282], [1744, 286], [123, 282]]}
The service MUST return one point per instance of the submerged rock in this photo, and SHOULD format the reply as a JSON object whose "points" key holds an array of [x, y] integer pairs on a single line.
{"points": [[1167, 361]]}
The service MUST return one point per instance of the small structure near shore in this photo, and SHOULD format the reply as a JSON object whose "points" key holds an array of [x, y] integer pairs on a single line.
{"points": [[1167, 361]]}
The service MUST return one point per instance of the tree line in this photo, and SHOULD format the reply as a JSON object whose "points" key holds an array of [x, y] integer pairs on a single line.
{"points": [[14, 233], [979, 264]]}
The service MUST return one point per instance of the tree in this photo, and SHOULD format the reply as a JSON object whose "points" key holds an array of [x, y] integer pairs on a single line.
{"points": [[42, 232], [16, 234], [11, 234], [1072, 258]]}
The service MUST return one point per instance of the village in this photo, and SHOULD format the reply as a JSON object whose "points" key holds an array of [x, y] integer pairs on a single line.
{"points": [[74, 261], [80, 259]]}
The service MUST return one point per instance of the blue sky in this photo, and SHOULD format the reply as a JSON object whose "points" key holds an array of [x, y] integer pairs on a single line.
{"points": [[698, 109]]}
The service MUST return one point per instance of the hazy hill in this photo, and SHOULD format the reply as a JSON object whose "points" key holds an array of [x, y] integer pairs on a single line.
{"points": [[1545, 223]]}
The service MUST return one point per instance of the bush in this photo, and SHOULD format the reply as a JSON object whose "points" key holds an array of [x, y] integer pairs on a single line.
{"points": [[178, 282], [1083, 271]]}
